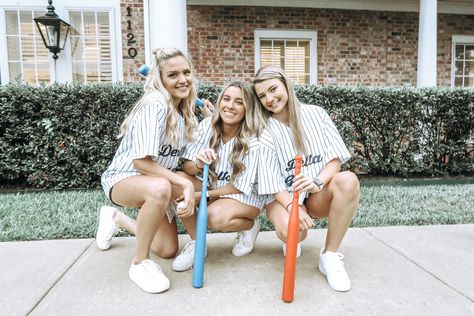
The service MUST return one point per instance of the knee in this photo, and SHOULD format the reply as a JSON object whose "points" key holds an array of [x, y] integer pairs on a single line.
{"points": [[159, 190], [347, 183], [217, 220], [167, 252]]}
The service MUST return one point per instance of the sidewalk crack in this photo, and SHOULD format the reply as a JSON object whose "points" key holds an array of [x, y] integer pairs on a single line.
{"points": [[59, 279]]}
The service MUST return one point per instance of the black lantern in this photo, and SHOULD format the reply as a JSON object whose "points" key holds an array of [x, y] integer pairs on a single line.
{"points": [[53, 30]]}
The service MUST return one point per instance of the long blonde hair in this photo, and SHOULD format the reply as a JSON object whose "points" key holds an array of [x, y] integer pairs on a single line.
{"points": [[154, 85], [261, 115], [243, 135]]}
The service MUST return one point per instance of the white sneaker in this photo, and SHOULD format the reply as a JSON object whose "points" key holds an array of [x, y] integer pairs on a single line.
{"points": [[107, 227], [245, 240], [185, 260], [298, 250], [331, 265], [149, 277]]}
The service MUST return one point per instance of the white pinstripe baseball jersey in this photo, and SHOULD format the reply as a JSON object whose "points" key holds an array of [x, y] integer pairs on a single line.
{"points": [[145, 136], [245, 181], [277, 151]]}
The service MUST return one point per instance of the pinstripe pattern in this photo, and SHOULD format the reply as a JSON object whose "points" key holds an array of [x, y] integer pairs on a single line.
{"points": [[145, 137], [277, 151], [245, 182]]}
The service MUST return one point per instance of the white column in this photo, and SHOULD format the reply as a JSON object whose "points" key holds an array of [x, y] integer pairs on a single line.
{"points": [[427, 43], [165, 25]]}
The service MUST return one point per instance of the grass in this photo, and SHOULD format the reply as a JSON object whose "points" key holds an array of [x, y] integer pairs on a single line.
{"points": [[73, 214]]}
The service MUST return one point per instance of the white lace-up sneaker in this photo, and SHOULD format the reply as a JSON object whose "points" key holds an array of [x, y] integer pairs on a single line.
{"points": [[331, 265], [149, 277], [298, 250], [107, 227], [185, 260], [245, 240]]}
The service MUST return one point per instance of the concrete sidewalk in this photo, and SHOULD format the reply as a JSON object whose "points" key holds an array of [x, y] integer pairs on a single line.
{"points": [[423, 270]]}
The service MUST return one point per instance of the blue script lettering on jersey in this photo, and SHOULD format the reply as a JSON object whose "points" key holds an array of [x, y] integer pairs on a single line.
{"points": [[223, 176], [167, 150], [289, 180], [307, 161]]}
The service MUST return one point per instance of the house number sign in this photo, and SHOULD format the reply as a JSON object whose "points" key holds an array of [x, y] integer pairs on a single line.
{"points": [[132, 51]]}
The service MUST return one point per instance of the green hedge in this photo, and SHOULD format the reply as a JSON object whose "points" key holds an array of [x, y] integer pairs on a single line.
{"points": [[63, 136]]}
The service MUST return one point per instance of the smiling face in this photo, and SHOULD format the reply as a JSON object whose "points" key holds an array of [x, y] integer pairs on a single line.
{"points": [[273, 95], [177, 78], [232, 106]]}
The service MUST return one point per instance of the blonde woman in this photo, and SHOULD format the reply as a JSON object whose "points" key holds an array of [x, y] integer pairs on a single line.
{"points": [[141, 174], [227, 142], [287, 128]]}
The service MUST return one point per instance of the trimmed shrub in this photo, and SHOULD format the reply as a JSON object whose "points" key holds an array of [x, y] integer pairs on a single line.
{"points": [[64, 135]]}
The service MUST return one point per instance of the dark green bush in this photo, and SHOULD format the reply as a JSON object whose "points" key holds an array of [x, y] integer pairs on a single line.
{"points": [[64, 135]]}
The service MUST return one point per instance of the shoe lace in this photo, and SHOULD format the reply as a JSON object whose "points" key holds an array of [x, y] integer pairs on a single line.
{"points": [[150, 266], [242, 238], [188, 249]]}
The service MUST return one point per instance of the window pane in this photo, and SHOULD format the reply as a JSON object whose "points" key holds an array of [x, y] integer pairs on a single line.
{"points": [[14, 70], [469, 81], [470, 52], [13, 48], [469, 68], [458, 82], [26, 23], [29, 73], [78, 72], [458, 69], [42, 70], [11, 21], [89, 23], [459, 52]]}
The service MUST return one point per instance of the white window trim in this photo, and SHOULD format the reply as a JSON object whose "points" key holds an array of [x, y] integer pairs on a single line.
{"points": [[62, 8], [289, 34], [458, 39]]}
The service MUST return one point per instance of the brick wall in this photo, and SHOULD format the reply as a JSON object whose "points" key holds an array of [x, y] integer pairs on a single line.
{"points": [[354, 47], [449, 25], [132, 31]]}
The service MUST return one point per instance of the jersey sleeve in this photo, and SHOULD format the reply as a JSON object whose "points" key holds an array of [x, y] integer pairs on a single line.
{"points": [[201, 138], [147, 128], [246, 179], [334, 144], [270, 178]]}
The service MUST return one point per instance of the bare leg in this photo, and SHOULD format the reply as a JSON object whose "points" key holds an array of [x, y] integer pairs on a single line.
{"points": [[229, 215], [338, 202], [278, 216], [152, 195]]}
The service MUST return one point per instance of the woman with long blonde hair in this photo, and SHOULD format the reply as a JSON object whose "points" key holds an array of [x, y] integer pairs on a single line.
{"points": [[287, 128], [141, 174], [226, 141]]}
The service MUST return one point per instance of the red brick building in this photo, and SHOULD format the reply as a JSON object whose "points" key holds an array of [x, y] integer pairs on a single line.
{"points": [[377, 43]]}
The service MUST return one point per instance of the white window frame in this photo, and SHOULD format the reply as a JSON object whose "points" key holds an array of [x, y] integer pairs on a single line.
{"points": [[290, 35], [458, 39], [62, 8]]}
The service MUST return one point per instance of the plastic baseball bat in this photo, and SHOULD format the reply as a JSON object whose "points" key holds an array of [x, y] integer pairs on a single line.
{"points": [[292, 243], [144, 70], [201, 229]]}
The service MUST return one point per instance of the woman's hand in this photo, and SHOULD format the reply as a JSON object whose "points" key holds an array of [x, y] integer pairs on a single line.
{"points": [[205, 156], [188, 200], [303, 183], [306, 222], [208, 109]]}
